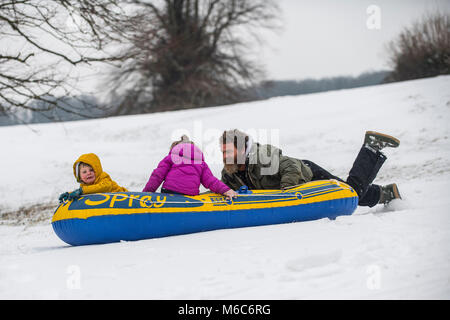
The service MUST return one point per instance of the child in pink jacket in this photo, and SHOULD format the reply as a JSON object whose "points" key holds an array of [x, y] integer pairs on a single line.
{"points": [[183, 170]]}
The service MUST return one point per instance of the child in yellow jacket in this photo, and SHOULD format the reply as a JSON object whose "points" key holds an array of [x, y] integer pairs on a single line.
{"points": [[89, 173]]}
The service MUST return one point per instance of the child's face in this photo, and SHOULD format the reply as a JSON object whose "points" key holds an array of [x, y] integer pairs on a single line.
{"points": [[87, 174]]}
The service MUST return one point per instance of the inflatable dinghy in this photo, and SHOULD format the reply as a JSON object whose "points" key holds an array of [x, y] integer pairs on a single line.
{"points": [[127, 216]]}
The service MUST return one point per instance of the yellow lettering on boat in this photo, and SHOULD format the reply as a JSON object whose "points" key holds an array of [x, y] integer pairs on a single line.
{"points": [[89, 202], [115, 198], [146, 201], [132, 197], [159, 202]]}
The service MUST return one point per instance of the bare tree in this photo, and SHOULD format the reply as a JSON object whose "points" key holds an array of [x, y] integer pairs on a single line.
{"points": [[422, 50], [40, 40], [191, 53]]}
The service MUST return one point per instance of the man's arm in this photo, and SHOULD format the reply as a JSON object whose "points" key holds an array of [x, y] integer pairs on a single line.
{"points": [[293, 172]]}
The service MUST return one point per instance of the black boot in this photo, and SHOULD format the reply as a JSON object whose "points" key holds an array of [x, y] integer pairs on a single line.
{"points": [[376, 141], [389, 193]]}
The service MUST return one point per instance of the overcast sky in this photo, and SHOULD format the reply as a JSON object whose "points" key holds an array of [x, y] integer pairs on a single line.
{"points": [[330, 37], [321, 38]]}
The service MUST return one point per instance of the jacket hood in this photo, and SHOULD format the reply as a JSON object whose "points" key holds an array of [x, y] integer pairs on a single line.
{"points": [[92, 160], [186, 153]]}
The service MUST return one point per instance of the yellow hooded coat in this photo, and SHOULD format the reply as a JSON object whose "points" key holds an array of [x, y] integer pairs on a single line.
{"points": [[102, 183]]}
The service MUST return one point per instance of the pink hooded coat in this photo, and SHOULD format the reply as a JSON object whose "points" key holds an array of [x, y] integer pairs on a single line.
{"points": [[183, 170]]}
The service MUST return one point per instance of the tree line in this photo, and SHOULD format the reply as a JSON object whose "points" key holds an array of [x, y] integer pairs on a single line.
{"points": [[263, 90], [269, 89]]}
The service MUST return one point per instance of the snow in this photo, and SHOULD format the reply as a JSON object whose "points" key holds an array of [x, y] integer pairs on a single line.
{"points": [[400, 251]]}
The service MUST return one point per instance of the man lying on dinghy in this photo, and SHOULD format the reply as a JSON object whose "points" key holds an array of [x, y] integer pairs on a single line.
{"points": [[265, 167]]}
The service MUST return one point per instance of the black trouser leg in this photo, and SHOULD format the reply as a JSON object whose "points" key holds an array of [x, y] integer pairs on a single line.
{"points": [[363, 172], [371, 197], [320, 173]]}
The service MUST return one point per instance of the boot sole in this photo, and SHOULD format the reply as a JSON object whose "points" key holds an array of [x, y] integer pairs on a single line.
{"points": [[393, 142], [396, 192]]}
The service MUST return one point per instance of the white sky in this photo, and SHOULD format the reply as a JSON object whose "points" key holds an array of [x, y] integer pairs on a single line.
{"points": [[330, 37], [319, 38]]}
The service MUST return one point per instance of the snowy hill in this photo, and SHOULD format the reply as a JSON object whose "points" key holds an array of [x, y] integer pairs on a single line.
{"points": [[399, 251]]}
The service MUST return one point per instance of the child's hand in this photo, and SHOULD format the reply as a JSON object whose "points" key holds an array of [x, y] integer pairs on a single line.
{"points": [[75, 195], [63, 197], [230, 194]]}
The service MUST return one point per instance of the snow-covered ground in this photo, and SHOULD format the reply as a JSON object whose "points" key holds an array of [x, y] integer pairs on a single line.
{"points": [[401, 251]]}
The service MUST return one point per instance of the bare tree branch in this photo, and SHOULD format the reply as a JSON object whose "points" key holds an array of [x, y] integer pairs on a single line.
{"points": [[192, 53], [421, 50], [37, 37]]}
